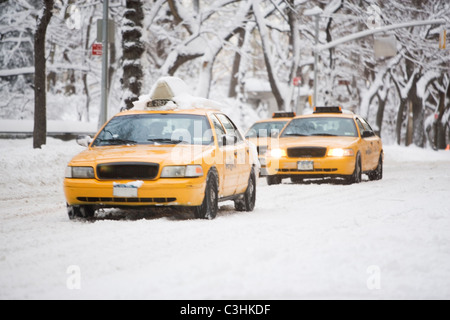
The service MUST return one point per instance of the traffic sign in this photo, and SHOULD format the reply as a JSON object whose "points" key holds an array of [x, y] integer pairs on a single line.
{"points": [[296, 81], [97, 49]]}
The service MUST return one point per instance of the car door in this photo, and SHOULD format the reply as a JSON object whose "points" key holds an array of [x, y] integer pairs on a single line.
{"points": [[237, 153], [374, 145], [369, 156], [224, 160], [364, 149]]}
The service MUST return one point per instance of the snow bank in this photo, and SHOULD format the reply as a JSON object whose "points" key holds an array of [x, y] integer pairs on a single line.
{"points": [[53, 126]]}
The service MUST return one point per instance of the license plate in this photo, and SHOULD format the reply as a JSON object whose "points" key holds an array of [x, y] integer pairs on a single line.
{"points": [[126, 190], [305, 165]]}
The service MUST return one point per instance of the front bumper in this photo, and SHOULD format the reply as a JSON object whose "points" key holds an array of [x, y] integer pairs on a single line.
{"points": [[161, 192], [322, 167]]}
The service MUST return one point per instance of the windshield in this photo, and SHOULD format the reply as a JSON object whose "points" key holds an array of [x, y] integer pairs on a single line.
{"points": [[321, 126], [156, 129], [265, 129]]}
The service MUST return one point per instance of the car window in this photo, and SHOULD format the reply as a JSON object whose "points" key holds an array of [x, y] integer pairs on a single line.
{"points": [[366, 125], [265, 129], [321, 126], [360, 125], [155, 129], [218, 128], [229, 126]]}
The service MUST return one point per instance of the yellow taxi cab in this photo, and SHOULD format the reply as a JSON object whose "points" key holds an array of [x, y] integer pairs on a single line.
{"points": [[263, 131], [163, 155], [329, 143]]}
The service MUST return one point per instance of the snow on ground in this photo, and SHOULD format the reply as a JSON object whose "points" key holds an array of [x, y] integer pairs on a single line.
{"points": [[386, 239]]}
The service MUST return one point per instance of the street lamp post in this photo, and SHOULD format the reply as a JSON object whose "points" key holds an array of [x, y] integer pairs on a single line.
{"points": [[104, 92], [315, 12], [315, 59]]}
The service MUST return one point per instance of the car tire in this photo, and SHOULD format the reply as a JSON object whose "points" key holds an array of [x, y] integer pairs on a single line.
{"points": [[247, 203], [356, 177], [272, 180], [210, 205], [377, 174], [80, 212]]}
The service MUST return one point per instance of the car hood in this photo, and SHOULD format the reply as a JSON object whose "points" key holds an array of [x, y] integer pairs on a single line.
{"points": [[162, 154], [316, 141]]}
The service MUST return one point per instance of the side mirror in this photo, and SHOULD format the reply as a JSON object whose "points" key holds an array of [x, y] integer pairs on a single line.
{"points": [[366, 134], [229, 140], [274, 133], [84, 141]]}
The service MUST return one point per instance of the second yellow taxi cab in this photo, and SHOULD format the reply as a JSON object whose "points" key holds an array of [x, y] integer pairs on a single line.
{"points": [[329, 143], [262, 132], [163, 155]]}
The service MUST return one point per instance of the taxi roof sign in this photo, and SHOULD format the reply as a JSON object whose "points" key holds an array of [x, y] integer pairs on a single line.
{"points": [[328, 109], [283, 114]]}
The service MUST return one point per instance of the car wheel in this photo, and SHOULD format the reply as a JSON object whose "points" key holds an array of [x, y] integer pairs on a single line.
{"points": [[80, 212], [356, 177], [271, 180], [208, 209], [249, 198], [377, 174]]}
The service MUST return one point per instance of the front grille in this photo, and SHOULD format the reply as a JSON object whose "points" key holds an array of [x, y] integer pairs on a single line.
{"points": [[126, 200], [127, 171], [306, 152]]}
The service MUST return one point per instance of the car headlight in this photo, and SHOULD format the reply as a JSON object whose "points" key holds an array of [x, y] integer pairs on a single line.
{"points": [[340, 152], [189, 171], [278, 153], [80, 172]]}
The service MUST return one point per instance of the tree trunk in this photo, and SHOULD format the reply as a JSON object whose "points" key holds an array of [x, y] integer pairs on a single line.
{"points": [[132, 52], [236, 64], [399, 121], [438, 125], [40, 109], [270, 67], [418, 134], [380, 111]]}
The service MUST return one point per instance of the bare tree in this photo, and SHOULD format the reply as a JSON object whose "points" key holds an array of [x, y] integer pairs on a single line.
{"points": [[40, 110], [132, 51]]}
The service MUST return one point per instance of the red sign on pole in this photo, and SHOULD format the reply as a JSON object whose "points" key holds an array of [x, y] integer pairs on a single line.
{"points": [[296, 81], [97, 49]]}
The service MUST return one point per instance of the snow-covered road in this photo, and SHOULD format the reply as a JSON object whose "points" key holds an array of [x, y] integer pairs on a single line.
{"points": [[386, 239]]}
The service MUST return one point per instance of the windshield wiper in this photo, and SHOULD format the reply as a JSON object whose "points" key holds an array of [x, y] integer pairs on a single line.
{"points": [[324, 134], [118, 141], [296, 135], [166, 140]]}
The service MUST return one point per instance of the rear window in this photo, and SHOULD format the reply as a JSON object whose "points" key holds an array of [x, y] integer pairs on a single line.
{"points": [[265, 129]]}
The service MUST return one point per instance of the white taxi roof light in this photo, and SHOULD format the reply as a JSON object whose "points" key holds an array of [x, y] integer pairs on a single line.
{"points": [[328, 109], [166, 88]]}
